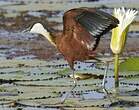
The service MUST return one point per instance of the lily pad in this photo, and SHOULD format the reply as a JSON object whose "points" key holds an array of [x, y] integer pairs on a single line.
{"points": [[131, 64]]}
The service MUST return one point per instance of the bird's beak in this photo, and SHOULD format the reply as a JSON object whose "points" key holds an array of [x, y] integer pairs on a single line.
{"points": [[26, 30]]}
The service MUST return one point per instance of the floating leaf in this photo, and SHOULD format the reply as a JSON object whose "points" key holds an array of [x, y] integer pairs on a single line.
{"points": [[131, 64]]}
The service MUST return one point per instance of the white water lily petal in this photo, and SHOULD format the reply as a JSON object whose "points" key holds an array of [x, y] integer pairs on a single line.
{"points": [[125, 18]]}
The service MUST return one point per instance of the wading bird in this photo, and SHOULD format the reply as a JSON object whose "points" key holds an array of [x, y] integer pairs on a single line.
{"points": [[82, 29]]}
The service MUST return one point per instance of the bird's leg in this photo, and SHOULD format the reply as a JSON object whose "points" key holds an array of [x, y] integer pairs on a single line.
{"points": [[74, 82], [105, 74], [104, 81], [106, 70]]}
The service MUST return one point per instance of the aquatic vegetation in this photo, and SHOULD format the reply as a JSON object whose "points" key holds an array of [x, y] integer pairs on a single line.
{"points": [[64, 71], [131, 64], [119, 34], [35, 83]]}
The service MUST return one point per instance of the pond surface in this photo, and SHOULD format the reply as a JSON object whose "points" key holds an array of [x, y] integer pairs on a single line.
{"points": [[43, 84], [34, 76]]}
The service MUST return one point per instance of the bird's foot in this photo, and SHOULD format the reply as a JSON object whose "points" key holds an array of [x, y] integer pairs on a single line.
{"points": [[107, 94]]}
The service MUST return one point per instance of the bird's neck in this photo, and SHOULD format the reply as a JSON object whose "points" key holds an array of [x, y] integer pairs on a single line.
{"points": [[50, 38]]}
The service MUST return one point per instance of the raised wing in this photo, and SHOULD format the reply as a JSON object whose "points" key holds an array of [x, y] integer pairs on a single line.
{"points": [[87, 22], [97, 23]]}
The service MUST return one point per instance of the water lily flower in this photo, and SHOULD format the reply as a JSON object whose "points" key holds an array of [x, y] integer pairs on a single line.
{"points": [[119, 34]]}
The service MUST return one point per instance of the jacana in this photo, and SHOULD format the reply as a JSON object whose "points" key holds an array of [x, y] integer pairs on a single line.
{"points": [[82, 29]]}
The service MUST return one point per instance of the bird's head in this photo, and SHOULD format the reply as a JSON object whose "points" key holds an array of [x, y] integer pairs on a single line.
{"points": [[37, 28]]}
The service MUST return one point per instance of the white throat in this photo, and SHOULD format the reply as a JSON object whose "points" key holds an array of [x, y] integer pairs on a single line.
{"points": [[38, 28], [47, 35]]}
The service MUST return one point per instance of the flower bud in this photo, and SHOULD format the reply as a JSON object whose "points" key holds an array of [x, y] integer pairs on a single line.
{"points": [[119, 33]]}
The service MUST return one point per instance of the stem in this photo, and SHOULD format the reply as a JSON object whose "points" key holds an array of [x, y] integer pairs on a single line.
{"points": [[116, 70]]}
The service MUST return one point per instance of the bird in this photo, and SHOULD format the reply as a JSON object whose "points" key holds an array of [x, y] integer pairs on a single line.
{"points": [[82, 30]]}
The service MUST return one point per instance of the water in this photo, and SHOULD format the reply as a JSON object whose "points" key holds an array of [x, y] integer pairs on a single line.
{"points": [[36, 83]]}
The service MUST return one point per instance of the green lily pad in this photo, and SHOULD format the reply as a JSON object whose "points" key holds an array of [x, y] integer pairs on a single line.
{"points": [[131, 64]]}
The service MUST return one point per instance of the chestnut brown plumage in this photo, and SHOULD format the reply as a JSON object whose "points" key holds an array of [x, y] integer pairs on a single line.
{"points": [[82, 29]]}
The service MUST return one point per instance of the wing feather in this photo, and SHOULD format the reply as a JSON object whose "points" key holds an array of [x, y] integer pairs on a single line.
{"points": [[97, 23], [88, 25]]}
